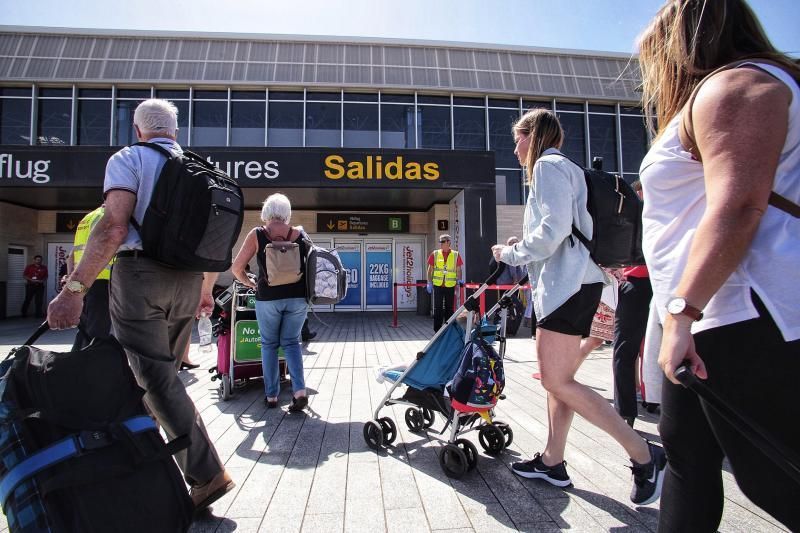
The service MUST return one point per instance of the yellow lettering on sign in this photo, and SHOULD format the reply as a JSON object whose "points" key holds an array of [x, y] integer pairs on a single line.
{"points": [[355, 170], [413, 171], [431, 171], [394, 169], [374, 168], [334, 163]]}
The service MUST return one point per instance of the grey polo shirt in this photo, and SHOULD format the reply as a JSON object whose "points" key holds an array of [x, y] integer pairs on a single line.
{"points": [[136, 169]]}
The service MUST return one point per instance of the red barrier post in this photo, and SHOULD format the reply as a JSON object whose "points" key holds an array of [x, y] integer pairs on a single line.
{"points": [[394, 307]]}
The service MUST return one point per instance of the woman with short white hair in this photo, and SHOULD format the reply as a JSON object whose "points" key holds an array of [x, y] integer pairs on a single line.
{"points": [[280, 307]]}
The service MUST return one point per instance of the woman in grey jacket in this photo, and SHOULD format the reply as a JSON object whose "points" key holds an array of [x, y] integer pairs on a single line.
{"points": [[567, 292]]}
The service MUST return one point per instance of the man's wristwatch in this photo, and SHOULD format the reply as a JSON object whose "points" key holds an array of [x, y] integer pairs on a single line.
{"points": [[75, 287], [678, 306]]}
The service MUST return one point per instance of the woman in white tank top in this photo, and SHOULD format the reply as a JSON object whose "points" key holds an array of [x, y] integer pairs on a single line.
{"points": [[724, 264]]}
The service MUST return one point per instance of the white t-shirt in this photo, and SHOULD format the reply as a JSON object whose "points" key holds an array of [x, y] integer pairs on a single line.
{"points": [[675, 200]]}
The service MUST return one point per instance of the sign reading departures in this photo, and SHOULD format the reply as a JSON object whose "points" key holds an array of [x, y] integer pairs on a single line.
{"points": [[362, 223]]}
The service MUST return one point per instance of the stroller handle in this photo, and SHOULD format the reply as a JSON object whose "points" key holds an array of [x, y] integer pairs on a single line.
{"points": [[685, 376], [496, 274]]}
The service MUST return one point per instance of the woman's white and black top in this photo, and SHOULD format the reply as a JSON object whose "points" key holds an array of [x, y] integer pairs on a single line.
{"points": [[675, 200], [293, 290], [558, 264]]}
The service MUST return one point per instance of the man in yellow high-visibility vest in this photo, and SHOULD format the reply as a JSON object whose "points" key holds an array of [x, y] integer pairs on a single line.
{"points": [[444, 273], [95, 321]]}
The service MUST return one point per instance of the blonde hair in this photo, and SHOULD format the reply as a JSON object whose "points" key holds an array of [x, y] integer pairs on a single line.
{"points": [[545, 131], [687, 40]]}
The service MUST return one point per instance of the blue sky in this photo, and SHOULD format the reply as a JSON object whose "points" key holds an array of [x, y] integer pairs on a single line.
{"points": [[606, 25]]}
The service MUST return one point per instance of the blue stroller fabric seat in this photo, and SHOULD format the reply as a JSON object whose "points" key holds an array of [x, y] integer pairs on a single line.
{"points": [[440, 362]]}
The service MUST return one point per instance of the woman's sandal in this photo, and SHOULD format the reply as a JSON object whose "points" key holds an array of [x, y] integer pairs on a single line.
{"points": [[298, 404]]}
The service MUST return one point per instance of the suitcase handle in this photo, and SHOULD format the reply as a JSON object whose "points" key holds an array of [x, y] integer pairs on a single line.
{"points": [[38, 333], [44, 328]]}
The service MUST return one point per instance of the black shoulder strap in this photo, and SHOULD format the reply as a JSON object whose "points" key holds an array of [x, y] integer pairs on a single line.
{"points": [[575, 231], [157, 147], [163, 151], [262, 237]]}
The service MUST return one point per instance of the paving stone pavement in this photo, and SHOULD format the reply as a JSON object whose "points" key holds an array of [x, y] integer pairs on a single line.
{"points": [[314, 472]]}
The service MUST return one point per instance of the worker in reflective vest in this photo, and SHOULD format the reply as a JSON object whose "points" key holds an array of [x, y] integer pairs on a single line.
{"points": [[95, 319], [444, 273]]}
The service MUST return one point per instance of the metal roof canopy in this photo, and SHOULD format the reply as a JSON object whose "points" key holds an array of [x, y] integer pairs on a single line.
{"points": [[53, 55]]}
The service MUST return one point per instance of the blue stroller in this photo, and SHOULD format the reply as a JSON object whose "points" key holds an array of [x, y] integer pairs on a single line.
{"points": [[426, 379]]}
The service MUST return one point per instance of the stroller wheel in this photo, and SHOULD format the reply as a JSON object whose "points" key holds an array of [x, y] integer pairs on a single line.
{"points": [[470, 450], [415, 419], [453, 461], [373, 435], [428, 417], [389, 429], [492, 439], [506, 429]]}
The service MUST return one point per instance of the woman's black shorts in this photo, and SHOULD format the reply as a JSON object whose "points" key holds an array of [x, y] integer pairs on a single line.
{"points": [[574, 317]]}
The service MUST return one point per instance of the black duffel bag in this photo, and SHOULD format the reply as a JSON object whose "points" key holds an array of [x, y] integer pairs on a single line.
{"points": [[78, 451]]}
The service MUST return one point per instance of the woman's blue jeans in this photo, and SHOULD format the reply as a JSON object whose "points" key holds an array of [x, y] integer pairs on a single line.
{"points": [[280, 323]]}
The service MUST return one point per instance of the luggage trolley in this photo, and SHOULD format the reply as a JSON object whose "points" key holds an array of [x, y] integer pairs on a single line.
{"points": [[239, 348]]}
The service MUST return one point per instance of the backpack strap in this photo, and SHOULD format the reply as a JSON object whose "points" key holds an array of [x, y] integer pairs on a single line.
{"points": [[575, 231], [157, 147], [285, 239], [163, 151], [686, 128]]}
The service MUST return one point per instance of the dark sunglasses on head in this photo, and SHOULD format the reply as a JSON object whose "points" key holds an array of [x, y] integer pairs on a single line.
{"points": [[444, 241]]}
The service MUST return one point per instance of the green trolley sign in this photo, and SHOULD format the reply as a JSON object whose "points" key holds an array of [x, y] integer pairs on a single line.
{"points": [[248, 341]]}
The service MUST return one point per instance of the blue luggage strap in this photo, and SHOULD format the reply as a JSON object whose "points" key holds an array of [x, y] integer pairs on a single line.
{"points": [[65, 449]]}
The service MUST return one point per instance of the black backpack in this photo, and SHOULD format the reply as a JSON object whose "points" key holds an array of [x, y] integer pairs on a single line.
{"points": [[78, 451], [616, 212], [195, 214]]}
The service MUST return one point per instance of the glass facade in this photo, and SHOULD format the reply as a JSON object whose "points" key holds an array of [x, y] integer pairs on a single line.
{"points": [[285, 118], [54, 124], [397, 125], [15, 115], [210, 118], [247, 123], [360, 125], [433, 127], [574, 128], [602, 140], [94, 116], [323, 123]]}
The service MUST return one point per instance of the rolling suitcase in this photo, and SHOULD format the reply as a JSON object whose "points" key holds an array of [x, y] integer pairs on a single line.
{"points": [[78, 451]]}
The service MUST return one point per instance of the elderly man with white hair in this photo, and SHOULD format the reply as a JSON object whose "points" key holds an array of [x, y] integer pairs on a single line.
{"points": [[152, 306]]}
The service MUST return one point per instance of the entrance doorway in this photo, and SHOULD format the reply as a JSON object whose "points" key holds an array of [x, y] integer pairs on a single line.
{"points": [[373, 265], [15, 287]]}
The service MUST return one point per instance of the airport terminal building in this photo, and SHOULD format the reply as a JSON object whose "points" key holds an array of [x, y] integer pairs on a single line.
{"points": [[380, 144]]}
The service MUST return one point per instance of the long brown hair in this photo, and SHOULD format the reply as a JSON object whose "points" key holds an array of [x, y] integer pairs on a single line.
{"points": [[688, 39], [545, 131]]}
